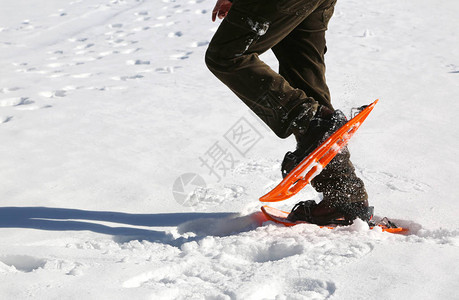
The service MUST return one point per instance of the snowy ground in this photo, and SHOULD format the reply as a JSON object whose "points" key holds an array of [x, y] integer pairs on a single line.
{"points": [[106, 104]]}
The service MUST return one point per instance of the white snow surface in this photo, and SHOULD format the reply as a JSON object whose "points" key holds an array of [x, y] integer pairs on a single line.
{"points": [[104, 104]]}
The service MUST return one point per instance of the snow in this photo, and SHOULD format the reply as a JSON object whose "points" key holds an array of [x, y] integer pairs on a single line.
{"points": [[105, 104]]}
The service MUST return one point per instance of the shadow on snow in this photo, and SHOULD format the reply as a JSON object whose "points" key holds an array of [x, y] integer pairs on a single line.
{"points": [[63, 219]]}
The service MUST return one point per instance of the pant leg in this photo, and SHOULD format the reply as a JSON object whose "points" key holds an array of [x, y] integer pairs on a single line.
{"points": [[251, 28], [301, 54], [301, 63]]}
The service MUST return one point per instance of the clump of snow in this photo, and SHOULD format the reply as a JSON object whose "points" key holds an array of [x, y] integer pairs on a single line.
{"points": [[357, 226]]}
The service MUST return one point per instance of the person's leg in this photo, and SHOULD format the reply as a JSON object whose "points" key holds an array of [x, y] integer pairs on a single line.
{"points": [[301, 63], [301, 54], [251, 28], [339, 183]]}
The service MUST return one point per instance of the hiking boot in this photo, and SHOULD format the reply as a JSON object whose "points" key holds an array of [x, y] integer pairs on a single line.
{"points": [[344, 194], [326, 214], [310, 133]]}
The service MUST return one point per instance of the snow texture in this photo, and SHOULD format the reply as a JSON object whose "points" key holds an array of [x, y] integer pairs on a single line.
{"points": [[129, 171]]}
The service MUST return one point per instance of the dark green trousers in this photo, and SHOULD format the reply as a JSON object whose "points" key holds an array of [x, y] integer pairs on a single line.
{"points": [[295, 31]]}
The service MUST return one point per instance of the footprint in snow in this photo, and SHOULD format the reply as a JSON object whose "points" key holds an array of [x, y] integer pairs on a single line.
{"points": [[9, 90], [27, 70], [73, 40], [180, 56], [138, 29], [138, 62], [142, 19], [5, 119], [175, 34], [180, 11], [131, 50], [81, 47], [16, 101], [54, 94], [23, 263], [142, 13], [56, 52], [162, 17], [125, 78], [117, 25], [166, 70], [60, 13], [199, 44]]}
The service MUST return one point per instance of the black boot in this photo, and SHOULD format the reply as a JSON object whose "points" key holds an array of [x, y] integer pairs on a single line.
{"points": [[323, 214], [310, 133], [344, 194]]}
